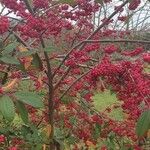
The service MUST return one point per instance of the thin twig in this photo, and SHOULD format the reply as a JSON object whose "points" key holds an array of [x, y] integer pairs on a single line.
{"points": [[28, 6], [117, 41], [62, 78], [78, 79]]}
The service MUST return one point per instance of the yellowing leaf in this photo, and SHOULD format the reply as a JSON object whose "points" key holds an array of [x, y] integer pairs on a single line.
{"points": [[28, 62], [90, 144], [148, 134], [44, 147], [40, 82], [47, 130], [22, 48], [10, 85], [27, 59]]}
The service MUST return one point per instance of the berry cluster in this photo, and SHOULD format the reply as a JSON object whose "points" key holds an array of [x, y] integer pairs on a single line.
{"points": [[4, 24]]}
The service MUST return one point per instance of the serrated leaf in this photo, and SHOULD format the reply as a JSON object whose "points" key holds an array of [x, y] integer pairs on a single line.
{"points": [[8, 49], [10, 60], [23, 111], [7, 108], [30, 98], [143, 123]]}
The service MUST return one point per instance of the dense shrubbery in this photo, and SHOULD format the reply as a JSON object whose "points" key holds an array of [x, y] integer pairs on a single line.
{"points": [[53, 59]]}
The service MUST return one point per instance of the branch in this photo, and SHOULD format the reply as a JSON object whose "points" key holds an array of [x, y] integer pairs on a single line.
{"points": [[62, 78], [74, 83], [2, 10], [117, 41], [28, 6], [76, 35], [109, 18], [50, 96], [83, 42], [66, 56], [20, 39]]}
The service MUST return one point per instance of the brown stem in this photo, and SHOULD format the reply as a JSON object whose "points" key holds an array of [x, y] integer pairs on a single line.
{"points": [[50, 97], [50, 83], [50, 100]]}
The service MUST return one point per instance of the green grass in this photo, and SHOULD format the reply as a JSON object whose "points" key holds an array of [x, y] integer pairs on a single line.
{"points": [[106, 99]]}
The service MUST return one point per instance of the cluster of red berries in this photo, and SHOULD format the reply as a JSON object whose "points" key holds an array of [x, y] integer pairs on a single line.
{"points": [[110, 48], [4, 24], [134, 4], [39, 4], [135, 52]]}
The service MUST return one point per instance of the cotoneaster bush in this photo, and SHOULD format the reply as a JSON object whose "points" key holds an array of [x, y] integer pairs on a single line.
{"points": [[52, 62]]}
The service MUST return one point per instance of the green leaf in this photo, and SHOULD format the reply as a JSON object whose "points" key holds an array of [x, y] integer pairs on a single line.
{"points": [[37, 61], [143, 123], [49, 49], [23, 111], [66, 99], [58, 134], [110, 144], [9, 48], [97, 131], [30, 98], [73, 120], [7, 108], [71, 140], [37, 147], [10, 60]]}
